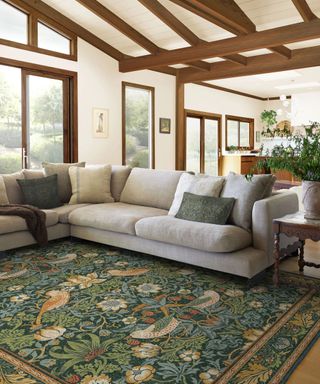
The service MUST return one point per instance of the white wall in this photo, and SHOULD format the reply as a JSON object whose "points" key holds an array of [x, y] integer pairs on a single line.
{"points": [[305, 108], [214, 101], [99, 85]]}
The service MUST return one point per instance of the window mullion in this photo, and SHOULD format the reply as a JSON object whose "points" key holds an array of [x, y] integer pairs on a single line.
{"points": [[33, 30]]}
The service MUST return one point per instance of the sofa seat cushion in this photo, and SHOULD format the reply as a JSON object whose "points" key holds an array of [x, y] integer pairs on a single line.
{"points": [[201, 236], [9, 224], [65, 210], [116, 217]]}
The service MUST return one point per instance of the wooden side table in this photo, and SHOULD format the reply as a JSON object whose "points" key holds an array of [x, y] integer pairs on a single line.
{"points": [[294, 225]]}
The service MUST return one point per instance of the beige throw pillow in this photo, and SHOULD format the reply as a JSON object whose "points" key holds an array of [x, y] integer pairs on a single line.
{"points": [[3, 192], [90, 184], [62, 170], [202, 185], [246, 194], [13, 190]]}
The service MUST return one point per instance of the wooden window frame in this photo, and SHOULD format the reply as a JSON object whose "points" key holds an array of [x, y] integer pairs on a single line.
{"points": [[70, 93], [32, 32], [203, 116], [123, 106], [240, 119]]}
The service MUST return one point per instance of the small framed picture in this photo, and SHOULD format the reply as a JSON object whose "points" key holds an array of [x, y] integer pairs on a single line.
{"points": [[164, 125], [100, 122], [258, 136]]}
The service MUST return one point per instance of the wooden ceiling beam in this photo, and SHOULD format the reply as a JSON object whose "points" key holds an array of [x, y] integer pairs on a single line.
{"points": [[77, 29], [236, 58], [228, 15], [304, 10], [257, 40], [101, 11], [301, 58]]}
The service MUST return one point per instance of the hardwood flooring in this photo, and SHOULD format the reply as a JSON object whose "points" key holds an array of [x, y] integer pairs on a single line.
{"points": [[308, 371]]}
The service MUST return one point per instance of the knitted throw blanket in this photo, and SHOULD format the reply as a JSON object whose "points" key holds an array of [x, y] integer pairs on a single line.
{"points": [[34, 217]]}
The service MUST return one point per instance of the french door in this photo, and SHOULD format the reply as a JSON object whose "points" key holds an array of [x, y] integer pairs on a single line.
{"points": [[35, 118], [203, 142]]}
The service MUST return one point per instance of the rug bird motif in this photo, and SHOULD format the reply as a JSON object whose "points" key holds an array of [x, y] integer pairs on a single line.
{"points": [[78, 312]]}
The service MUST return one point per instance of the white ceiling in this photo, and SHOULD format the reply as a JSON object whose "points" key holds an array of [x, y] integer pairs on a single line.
{"points": [[265, 14]]}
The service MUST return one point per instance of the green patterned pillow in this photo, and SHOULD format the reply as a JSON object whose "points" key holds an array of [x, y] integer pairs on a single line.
{"points": [[41, 193], [205, 209]]}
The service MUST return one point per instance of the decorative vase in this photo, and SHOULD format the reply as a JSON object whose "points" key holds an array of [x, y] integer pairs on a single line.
{"points": [[311, 199]]}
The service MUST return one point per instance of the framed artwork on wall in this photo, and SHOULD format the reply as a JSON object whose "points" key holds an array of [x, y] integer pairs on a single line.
{"points": [[100, 122], [164, 125]]}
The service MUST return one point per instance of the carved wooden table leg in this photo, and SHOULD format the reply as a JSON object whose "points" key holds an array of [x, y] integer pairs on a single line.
{"points": [[276, 253], [301, 262]]}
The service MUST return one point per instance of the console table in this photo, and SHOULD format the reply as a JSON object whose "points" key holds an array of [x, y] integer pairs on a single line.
{"points": [[294, 225]]}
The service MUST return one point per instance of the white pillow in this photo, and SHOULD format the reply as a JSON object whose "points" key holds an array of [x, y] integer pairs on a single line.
{"points": [[3, 192], [90, 184], [199, 185]]}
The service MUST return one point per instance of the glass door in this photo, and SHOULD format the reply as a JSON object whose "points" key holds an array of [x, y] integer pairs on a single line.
{"points": [[45, 120], [203, 151], [10, 119]]}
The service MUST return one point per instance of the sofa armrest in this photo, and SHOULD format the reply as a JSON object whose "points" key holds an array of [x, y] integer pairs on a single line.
{"points": [[263, 213]]}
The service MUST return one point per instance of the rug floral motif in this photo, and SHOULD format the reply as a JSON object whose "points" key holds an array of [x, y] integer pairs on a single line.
{"points": [[79, 312]]}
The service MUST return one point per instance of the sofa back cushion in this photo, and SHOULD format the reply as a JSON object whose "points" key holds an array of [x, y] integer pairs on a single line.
{"points": [[3, 192], [246, 192], [30, 174], [150, 187], [62, 170], [119, 176], [12, 187]]}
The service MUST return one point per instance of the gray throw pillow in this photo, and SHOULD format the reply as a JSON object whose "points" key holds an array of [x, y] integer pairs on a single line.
{"points": [[41, 193], [246, 192], [205, 209], [64, 183]]}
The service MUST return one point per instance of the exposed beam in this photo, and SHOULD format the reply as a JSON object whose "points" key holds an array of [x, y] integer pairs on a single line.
{"points": [[301, 58], [77, 29], [114, 20], [304, 10], [171, 21], [228, 15], [236, 58], [257, 40], [228, 12]]}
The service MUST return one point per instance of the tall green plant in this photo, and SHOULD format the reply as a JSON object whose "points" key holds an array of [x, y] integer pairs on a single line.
{"points": [[300, 155]]}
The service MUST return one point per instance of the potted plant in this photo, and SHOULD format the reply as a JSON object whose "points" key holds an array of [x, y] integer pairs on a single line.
{"points": [[269, 118], [300, 156]]}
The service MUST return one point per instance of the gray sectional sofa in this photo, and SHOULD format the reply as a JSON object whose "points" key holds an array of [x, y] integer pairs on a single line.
{"points": [[138, 220]]}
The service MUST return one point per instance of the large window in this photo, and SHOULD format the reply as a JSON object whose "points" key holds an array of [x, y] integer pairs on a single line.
{"points": [[239, 132], [203, 152], [22, 27], [138, 125], [37, 118]]}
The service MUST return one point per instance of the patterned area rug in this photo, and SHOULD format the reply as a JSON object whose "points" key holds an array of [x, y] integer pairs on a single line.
{"points": [[78, 312]]}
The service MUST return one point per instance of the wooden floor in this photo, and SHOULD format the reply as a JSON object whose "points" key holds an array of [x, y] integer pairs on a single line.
{"points": [[308, 371]]}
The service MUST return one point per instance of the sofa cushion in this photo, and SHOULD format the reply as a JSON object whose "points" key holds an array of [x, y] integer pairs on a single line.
{"points": [[202, 236], [9, 224], [40, 192], [14, 193], [90, 184], [62, 170], [198, 184], [64, 211], [3, 192], [116, 217], [205, 209], [144, 185], [246, 192], [119, 176], [33, 173]]}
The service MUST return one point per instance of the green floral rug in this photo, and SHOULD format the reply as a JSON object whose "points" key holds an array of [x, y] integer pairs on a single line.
{"points": [[79, 312]]}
